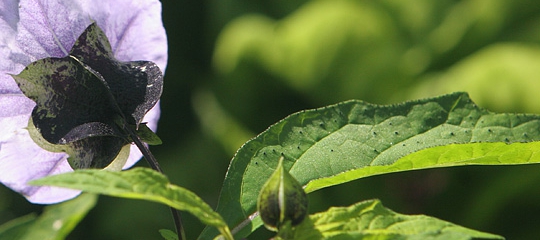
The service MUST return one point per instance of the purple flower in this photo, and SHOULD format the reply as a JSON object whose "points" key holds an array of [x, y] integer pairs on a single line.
{"points": [[36, 29]]}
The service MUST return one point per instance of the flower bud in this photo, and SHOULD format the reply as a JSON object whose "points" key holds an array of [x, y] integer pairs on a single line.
{"points": [[282, 199]]}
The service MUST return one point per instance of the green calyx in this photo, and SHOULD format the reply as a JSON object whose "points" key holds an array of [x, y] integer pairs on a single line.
{"points": [[282, 200]]}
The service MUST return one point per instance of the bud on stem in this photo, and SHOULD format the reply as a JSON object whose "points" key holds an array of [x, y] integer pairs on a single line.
{"points": [[282, 199]]}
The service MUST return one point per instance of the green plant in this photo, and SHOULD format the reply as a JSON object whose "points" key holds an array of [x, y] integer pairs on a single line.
{"points": [[92, 103]]}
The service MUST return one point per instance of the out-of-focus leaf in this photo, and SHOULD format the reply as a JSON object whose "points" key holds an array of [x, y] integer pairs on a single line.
{"points": [[218, 123], [139, 183], [371, 220], [55, 223], [502, 77], [17, 228], [354, 139], [353, 41]]}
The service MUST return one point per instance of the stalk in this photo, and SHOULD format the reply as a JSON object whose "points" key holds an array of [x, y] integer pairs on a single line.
{"points": [[152, 161]]}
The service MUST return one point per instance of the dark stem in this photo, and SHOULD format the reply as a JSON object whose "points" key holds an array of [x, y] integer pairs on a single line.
{"points": [[152, 161]]}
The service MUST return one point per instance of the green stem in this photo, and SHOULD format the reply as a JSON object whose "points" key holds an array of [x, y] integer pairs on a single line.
{"points": [[152, 161]]}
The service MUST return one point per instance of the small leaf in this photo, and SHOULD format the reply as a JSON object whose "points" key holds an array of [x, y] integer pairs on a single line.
{"points": [[371, 220], [168, 234], [56, 222], [282, 200], [139, 183], [147, 135]]}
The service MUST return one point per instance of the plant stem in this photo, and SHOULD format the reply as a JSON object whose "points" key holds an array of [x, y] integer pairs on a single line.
{"points": [[152, 161]]}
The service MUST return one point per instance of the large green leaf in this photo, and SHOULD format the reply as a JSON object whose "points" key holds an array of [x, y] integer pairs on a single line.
{"points": [[371, 220], [55, 223], [354, 139], [138, 183]]}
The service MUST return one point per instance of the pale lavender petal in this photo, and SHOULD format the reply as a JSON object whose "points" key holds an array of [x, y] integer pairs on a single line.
{"points": [[35, 29], [22, 160], [9, 16], [133, 29]]}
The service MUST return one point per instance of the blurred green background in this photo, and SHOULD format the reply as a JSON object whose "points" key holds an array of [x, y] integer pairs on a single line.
{"points": [[238, 66]]}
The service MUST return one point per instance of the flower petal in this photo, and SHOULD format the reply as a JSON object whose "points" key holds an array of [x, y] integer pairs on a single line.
{"points": [[17, 169], [36, 29]]}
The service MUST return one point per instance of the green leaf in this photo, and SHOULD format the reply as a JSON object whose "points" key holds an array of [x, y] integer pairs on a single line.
{"points": [[138, 183], [85, 100], [17, 228], [317, 52], [501, 77], [354, 139], [371, 220], [168, 234], [56, 222], [147, 136]]}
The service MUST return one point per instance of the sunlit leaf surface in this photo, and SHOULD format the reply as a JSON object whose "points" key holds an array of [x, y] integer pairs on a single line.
{"points": [[138, 183], [371, 220], [354, 139]]}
